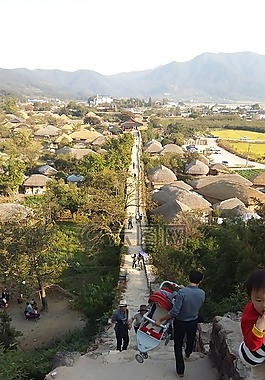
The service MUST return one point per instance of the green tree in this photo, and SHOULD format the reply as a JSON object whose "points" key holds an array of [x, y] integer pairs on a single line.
{"points": [[28, 246], [11, 175], [8, 334], [9, 105], [22, 145], [105, 213], [61, 197]]}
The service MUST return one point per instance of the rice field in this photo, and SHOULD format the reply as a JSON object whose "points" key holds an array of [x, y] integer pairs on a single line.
{"points": [[244, 147], [237, 134]]}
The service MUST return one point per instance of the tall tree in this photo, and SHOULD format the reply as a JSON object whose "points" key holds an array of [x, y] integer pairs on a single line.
{"points": [[11, 175], [28, 247]]}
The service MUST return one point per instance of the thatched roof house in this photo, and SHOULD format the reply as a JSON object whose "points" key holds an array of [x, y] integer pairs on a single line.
{"points": [[161, 175], [36, 184], [218, 168], [204, 159], [197, 168], [170, 210], [85, 135], [153, 147], [193, 200], [65, 137], [13, 212], [234, 207], [225, 189], [177, 185], [100, 140], [171, 148], [50, 130], [67, 128], [259, 180], [227, 206], [235, 178], [77, 153]]}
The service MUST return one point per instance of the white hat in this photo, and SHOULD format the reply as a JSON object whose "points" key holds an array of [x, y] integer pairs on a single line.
{"points": [[122, 303]]}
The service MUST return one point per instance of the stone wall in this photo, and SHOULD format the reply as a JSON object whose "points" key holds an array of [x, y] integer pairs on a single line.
{"points": [[225, 339]]}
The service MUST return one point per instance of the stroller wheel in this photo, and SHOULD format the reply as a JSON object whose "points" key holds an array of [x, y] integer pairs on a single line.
{"points": [[145, 355], [139, 358]]}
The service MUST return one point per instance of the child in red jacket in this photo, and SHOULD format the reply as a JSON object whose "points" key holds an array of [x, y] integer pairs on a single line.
{"points": [[252, 350]]}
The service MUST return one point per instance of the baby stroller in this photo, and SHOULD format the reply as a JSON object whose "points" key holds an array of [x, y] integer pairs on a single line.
{"points": [[149, 335], [32, 316]]}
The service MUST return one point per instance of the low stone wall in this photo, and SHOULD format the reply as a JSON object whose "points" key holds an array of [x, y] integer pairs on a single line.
{"points": [[225, 339]]}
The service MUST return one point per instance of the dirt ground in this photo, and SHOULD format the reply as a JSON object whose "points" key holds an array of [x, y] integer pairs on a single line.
{"points": [[55, 323]]}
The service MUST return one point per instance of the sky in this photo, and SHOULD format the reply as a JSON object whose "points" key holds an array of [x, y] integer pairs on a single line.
{"points": [[113, 36]]}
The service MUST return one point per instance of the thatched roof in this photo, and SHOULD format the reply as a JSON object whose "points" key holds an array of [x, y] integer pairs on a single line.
{"points": [[64, 136], [161, 175], [204, 159], [92, 114], [229, 204], [13, 211], [259, 180], [47, 170], [153, 146], [36, 180], [99, 140], [220, 168], [171, 148], [235, 178], [196, 167], [67, 127], [50, 130], [186, 197], [245, 213], [170, 210], [177, 184], [77, 153], [235, 207], [85, 134], [224, 190]]}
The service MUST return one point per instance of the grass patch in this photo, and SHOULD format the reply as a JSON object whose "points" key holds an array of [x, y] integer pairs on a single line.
{"points": [[250, 173]]}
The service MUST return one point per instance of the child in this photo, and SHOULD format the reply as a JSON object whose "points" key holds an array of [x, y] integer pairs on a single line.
{"points": [[252, 350], [138, 317], [169, 290]]}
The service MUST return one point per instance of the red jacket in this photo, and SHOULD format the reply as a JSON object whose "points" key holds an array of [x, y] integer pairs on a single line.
{"points": [[253, 338]]}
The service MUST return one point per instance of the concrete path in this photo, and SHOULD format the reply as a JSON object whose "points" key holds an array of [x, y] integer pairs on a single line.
{"points": [[107, 363]]}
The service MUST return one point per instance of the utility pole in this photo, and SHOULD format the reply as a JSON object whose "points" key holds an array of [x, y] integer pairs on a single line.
{"points": [[247, 154]]}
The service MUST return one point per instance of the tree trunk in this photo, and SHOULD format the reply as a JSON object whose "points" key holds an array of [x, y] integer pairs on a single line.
{"points": [[43, 298]]}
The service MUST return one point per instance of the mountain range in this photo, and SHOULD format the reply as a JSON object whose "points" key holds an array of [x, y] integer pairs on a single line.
{"points": [[207, 77]]}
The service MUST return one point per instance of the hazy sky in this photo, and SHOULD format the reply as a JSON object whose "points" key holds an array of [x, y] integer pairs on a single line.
{"points": [[111, 36]]}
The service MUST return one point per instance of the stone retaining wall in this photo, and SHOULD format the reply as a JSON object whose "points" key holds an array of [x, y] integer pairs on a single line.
{"points": [[224, 343]]}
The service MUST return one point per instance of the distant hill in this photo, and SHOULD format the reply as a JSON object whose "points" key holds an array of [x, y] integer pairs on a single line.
{"points": [[207, 77]]}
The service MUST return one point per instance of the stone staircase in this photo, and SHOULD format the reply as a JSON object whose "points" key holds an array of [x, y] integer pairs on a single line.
{"points": [[102, 361]]}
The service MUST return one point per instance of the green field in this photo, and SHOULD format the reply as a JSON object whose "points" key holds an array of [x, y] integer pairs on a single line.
{"points": [[245, 147], [248, 147], [237, 134]]}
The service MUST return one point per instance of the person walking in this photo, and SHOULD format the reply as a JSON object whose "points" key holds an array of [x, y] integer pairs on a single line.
{"points": [[188, 301], [120, 318], [251, 350], [138, 317], [130, 223], [134, 259]]}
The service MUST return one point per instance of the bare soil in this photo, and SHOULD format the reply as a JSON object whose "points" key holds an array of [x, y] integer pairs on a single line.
{"points": [[55, 323]]}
